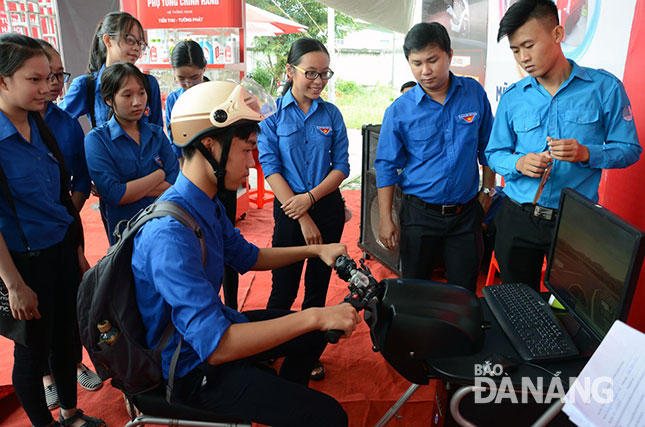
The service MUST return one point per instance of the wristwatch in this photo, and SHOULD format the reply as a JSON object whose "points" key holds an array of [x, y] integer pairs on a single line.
{"points": [[490, 191]]}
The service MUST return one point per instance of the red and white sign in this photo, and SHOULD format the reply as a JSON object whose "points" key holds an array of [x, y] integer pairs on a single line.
{"points": [[186, 13]]}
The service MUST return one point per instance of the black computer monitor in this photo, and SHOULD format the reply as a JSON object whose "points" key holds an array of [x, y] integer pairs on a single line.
{"points": [[594, 262]]}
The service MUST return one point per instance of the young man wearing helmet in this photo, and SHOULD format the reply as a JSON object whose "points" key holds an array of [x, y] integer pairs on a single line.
{"points": [[216, 369]]}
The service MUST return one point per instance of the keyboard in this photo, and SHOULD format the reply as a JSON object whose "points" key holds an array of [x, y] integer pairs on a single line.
{"points": [[529, 322]]}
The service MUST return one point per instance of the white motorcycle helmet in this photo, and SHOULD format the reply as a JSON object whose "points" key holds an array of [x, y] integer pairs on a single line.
{"points": [[214, 106]]}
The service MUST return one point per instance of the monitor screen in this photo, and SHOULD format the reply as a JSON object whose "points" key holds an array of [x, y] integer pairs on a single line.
{"points": [[595, 261]]}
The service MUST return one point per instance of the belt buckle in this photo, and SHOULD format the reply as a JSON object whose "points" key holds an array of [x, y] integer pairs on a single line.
{"points": [[542, 212], [446, 209]]}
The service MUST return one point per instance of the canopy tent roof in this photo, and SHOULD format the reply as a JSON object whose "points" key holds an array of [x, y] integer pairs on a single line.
{"points": [[394, 15], [260, 22]]}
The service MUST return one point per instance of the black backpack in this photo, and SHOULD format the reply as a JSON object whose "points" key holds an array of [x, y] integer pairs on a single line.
{"points": [[107, 292]]}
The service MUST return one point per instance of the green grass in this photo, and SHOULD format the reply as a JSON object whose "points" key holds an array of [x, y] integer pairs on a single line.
{"points": [[365, 105]]}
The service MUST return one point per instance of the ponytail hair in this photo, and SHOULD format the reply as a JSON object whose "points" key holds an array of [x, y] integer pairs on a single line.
{"points": [[15, 49], [114, 24], [188, 52], [298, 49]]}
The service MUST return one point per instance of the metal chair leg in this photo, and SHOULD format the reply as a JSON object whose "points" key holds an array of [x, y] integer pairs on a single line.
{"points": [[395, 408]]}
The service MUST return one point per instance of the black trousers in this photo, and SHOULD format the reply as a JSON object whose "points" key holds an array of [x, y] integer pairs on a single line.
{"points": [[244, 390], [230, 280], [425, 234], [54, 275], [521, 242], [329, 215]]}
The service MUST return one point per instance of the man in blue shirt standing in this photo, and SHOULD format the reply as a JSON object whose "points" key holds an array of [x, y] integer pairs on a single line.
{"points": [[216, 369], [430, 143], [558, 127]]}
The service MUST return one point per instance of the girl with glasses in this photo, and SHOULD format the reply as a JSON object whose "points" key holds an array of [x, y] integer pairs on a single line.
{"points": [[304, 155], [41, 250], [188, 65], [119, 37], [70, 136], [129, 159]]}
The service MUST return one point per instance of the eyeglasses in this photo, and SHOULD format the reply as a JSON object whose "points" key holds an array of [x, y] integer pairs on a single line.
{"points": [[62, 77], [131, 40], [313, 75]]}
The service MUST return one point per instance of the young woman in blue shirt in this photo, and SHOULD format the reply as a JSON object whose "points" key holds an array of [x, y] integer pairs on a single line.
{"points": [[119, 37], [304, 156], [70, 138], [40, 236], [130, 160], [188, 65]]}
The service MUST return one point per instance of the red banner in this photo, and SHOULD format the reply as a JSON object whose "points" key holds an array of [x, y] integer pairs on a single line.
{"points": [[186, 13]]}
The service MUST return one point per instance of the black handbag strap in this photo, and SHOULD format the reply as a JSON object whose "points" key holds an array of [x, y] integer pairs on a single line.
{"points": [[7, 194]]}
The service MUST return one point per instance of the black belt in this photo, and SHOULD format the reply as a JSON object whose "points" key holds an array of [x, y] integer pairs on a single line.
{"points": [[442, 209], [538, 211]]}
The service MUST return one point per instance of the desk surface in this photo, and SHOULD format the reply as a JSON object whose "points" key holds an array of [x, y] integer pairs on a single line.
{"points": [[461, 370]]}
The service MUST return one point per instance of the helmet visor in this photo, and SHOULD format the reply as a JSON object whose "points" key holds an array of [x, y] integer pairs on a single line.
{"points": [[257, 98]]}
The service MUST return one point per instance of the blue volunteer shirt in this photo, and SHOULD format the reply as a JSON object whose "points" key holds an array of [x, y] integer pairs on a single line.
{"points": [[170, 103], [114, 159], [75, 100], [591, 106], [303, 148], [431, 150], [34, 181], [172, 283], [70, 138]]}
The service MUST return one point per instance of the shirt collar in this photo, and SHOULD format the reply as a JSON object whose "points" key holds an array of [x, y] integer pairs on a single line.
{"points": [[7, 128], [576, 72], [288, 99], [99, 74], [145, 134], [196, 198], [51, 109], [419, 93]]}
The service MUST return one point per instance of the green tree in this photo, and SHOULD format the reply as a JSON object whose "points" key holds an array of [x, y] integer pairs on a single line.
{"points": [[306, 12]]}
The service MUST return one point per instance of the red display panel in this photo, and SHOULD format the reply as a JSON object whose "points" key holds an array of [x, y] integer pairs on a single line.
{"points": [[186, 13]]}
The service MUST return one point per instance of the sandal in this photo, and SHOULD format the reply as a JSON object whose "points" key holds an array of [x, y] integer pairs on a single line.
{"points": [[318, 372], [89, 380], [89, 421], [51, 396]]}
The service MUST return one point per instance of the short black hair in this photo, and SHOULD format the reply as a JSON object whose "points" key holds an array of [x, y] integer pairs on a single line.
{"points": [[243, 130], [424, 34], [520, 12], [406, 85]]}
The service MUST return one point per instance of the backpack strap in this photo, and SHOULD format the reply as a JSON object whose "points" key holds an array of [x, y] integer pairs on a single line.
{"points": [[160, 209], [91, 96]]}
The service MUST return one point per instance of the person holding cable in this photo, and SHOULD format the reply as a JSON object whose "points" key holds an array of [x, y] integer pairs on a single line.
{"points": [[216, 124], [558, 127], [431, 141], [304, 156]]}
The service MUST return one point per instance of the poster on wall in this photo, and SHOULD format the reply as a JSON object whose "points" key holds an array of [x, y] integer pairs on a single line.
{"points": [[596, 35], [467, 23]]}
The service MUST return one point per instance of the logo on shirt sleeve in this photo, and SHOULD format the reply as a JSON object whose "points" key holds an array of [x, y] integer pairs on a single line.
{"points": [[468, 117], [627, 113], [158, 161], [324, 129]]}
